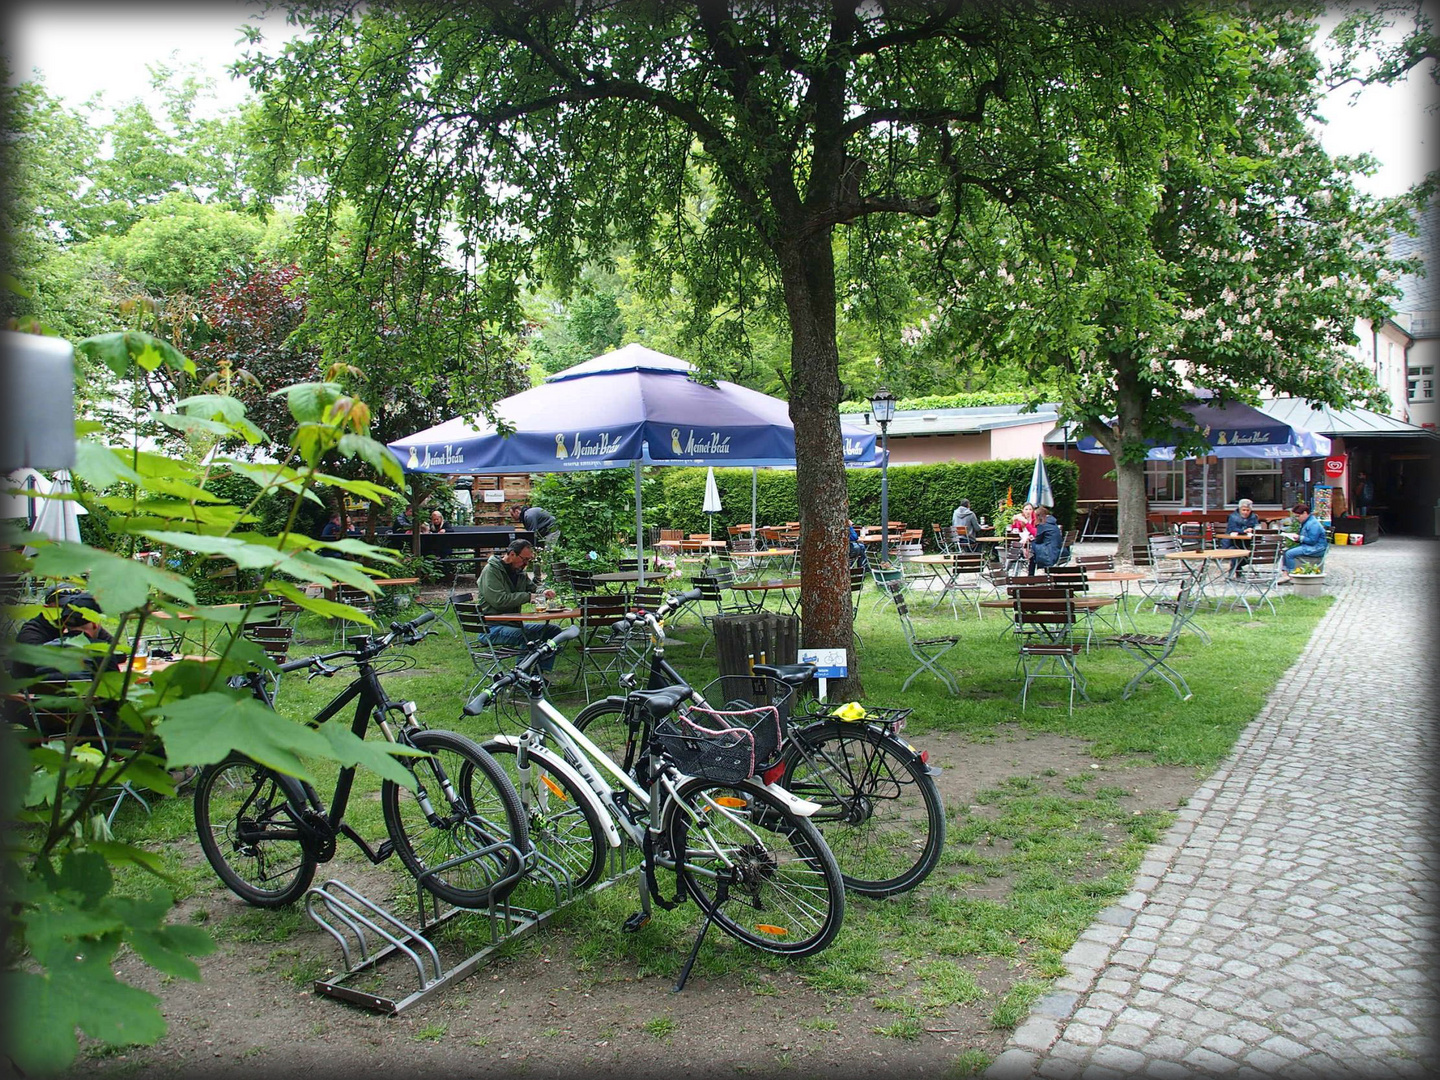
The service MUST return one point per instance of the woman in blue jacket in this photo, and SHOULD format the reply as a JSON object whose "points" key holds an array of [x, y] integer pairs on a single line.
{"points": [[1311, 538]]}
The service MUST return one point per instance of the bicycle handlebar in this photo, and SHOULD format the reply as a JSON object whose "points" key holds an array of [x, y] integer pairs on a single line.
{"points": [[372, 649], [524, 668]]}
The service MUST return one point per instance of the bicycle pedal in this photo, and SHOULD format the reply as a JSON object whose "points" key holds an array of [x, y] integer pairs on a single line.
{"points": [[635, 922]]}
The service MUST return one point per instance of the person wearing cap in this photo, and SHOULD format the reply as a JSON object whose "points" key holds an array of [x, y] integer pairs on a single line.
{"points": [[1310, 540], [77, 613], [504, 589]]}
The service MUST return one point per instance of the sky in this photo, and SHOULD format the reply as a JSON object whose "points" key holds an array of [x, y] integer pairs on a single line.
{"points": [[83, 48]]}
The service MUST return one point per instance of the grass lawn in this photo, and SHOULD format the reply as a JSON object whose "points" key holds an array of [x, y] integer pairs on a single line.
{"points": [[1029, 861]]}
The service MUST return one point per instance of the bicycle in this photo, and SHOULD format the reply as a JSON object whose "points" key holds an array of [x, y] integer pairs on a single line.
{"points": [[743, 850], [880, 810], [265, 832]]}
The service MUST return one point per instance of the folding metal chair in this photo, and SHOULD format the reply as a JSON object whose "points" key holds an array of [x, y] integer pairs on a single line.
{"points": [[928, 650], [342, 627], [961, 577], [1165, 574], [601, 651], [486, 657], [1045, 627], [1153, 651], [274, 637], [1256, 577]]}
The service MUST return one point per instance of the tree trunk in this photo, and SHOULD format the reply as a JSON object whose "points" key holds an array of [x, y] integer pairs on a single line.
{"points": [[808, 273], [1132, 505]]}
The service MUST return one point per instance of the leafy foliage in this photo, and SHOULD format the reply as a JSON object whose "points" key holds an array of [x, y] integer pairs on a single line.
{"points": [[65, 923]]}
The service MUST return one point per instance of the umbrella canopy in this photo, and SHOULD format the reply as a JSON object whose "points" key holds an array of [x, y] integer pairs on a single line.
{"points": [[633, 405], [712, 493], [18, 499], [1235, 430], [1040, 493], [59, 519], [626, 409]]}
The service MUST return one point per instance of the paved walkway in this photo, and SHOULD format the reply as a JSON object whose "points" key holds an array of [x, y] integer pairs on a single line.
{"points": [[1285, 926]]}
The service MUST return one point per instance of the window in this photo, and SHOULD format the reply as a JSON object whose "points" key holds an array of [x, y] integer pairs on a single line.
{"points": [[1257, 479], [1165, 482], [1422, 383]]}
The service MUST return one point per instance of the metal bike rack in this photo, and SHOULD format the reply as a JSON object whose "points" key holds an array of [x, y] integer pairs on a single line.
{"points": [[360, 925]]}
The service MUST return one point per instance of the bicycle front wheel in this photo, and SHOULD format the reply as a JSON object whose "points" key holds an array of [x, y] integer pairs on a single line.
{"points": [[759, 869], [564, 826], [452, 831], [248, 830], [880, 813]]}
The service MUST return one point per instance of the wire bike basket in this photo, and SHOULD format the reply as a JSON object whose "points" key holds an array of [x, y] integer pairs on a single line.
{"points": [[730, 742]]}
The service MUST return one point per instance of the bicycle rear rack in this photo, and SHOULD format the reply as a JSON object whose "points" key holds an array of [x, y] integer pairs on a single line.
{"points": [[360, 926]]}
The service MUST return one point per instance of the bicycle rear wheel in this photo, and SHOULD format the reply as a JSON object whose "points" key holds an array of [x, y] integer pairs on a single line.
{"points": [[759, 869], [881, 812], [249, 833], [604, 724], [563, 824], [449, 833]]}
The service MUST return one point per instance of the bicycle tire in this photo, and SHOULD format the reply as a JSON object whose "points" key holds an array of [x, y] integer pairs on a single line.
{"points": [[473, 808], [881, 812], [603, 723], [563, 825], [785, 893], [249, 833]]}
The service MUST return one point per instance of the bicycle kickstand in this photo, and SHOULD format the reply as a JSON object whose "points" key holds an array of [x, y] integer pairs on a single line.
{"points": [[722, 893]]}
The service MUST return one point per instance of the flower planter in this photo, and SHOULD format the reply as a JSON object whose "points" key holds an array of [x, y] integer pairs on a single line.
{"points": [[1308, 584]]}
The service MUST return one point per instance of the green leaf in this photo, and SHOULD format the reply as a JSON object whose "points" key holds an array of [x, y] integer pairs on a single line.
{"points": [[117, 351], [119, 584], [244, 555], [308, 401], [380, 757], [165, 948], [202, 730], [375, 454], [229, 409]]}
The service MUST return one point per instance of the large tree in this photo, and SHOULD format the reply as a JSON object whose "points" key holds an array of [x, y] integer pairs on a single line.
{"points": [[520, 140], [1236, 258]]}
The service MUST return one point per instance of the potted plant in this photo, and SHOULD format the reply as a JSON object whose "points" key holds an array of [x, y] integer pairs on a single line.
{"points": [[1308, 578]]}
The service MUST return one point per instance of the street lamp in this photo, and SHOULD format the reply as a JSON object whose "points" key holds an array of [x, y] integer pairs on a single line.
{"points": [[882, 404]]}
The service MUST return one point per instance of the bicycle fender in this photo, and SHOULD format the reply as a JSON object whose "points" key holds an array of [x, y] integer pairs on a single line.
{"points": [[564, 768], [797, 805]]}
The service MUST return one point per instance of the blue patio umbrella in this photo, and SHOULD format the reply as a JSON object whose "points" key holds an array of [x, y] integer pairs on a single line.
{"points": [[1232, 430], [626, 409]]}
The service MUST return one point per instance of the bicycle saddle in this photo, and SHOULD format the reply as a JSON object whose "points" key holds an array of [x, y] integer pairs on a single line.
{"points": [[659, 703]]}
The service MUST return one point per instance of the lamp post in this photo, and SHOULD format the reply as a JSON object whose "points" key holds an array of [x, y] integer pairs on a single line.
{"points": [[882, 404]]}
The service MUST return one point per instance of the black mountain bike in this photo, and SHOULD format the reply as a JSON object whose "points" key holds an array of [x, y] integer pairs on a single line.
{"points": [[880, 810], [460, 831]]}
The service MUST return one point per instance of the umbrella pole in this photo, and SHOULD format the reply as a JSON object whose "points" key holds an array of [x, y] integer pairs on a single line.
{"points": [[639, 530], [754, 487]]}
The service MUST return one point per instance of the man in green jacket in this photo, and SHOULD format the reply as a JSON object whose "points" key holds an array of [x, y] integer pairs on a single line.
{"points": [[505, 588]]}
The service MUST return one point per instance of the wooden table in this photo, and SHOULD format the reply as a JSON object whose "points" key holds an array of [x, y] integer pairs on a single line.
{"points": [[1080, 603], [1123, 579], [765, 588], [1098, 513]]}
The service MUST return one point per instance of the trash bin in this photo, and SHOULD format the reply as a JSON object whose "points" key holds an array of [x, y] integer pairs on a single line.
{"points": [[765, 637]]}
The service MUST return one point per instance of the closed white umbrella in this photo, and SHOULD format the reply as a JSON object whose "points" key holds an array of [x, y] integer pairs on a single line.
{"points": [[1040, 493], [59, 519], [712, 497], [18, 498]]}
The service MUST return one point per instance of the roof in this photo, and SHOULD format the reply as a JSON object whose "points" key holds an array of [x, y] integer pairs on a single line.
{"points": [[1420, 294], [1350, 421], [972, 421], [1301, 415]]}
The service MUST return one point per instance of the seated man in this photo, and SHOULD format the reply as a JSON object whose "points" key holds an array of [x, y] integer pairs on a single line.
{"points": [[1242, 519], [965, 518], [1311, 539], [1046, 547], [859, 554], [504, 589]]}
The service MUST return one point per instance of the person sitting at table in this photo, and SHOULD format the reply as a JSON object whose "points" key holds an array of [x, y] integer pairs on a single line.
{"points": [[1242, 519], [332, 530], [504, 589], [437, 522], [859, 554], [1048, 548], [965, 518], [1022, 528], [1310, 540]]}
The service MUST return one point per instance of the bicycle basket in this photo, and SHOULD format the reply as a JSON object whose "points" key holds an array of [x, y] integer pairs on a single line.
{"points": [[723, 755], [742, 694]]}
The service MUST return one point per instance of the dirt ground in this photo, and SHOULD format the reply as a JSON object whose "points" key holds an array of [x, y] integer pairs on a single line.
{"points": [[541, 1013]]}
